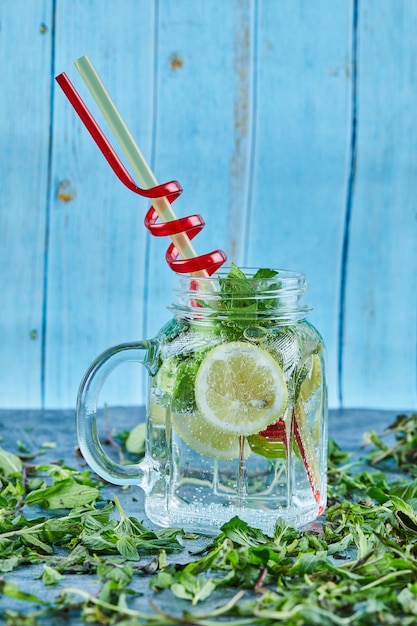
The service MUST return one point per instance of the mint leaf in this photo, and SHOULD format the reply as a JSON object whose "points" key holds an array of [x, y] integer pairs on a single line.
{"points": [[182, 394], [264, 273], [8, 565], [11, 590], [240, 297], [127, 548], [65, 494], [9, 463], [119, 572], [51, 576]]}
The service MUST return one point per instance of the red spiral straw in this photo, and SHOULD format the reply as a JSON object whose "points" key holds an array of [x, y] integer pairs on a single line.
{"points": [[190, 225]]}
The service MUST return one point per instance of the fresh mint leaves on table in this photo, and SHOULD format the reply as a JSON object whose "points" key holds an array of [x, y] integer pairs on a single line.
{"points": [[358, 567]]}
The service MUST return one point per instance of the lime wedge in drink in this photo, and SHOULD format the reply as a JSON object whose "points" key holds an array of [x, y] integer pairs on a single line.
{"points": [[271, 442], [240, 388]]}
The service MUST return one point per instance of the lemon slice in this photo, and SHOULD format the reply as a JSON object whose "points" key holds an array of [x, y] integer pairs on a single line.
{"points": [[313, 379], [205, 438], [240, 388]]}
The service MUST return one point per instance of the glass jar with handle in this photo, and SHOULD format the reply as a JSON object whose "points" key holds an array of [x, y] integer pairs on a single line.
{"points": [[236, 412]]}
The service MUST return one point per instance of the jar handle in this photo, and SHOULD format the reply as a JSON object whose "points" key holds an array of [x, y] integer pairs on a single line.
{"points": [[86, 415]]}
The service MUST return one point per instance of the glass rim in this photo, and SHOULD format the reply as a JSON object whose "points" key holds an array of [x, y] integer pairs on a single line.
{"points": [[283, 295], [249, 271]]}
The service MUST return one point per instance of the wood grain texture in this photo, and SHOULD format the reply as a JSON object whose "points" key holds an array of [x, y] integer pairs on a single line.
{"points": [[301, 151], [25, 59], [380, 317], [97, 240], [291, 126], [203, 96]]}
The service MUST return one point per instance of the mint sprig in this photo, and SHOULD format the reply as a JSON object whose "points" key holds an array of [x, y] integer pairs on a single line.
{"points": [[246, 299], [240, 293]]}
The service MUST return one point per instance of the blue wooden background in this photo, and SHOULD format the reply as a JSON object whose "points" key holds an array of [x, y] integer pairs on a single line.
{"points": [[291, 125]]}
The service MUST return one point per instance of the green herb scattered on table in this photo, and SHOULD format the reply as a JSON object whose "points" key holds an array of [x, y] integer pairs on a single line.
{"points": [[359, 567]]}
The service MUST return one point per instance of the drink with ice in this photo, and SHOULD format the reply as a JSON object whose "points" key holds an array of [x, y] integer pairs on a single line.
{"points": [[239, 397], [236, 412]]}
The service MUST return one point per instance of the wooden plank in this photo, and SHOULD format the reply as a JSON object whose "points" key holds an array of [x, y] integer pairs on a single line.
{"points": [[248, 104], [97, 240], [379, 365], [301, 151], [203, 126], [25, 58]]}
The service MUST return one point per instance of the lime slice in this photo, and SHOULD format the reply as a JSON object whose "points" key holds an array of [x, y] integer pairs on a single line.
{"points": [[271, 442], [269, 448], [240, 388], [205, 438], [313, 378], [158, 412], [164, 380]]}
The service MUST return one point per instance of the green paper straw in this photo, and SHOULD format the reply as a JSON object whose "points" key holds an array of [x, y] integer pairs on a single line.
{"points": [[132, 152]]}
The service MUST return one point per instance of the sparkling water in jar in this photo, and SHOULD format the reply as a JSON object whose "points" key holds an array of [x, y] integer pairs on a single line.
{"points": [[236, 408]]}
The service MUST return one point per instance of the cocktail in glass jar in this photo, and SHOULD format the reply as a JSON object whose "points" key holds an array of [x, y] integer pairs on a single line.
{"points": [[236, 411]]}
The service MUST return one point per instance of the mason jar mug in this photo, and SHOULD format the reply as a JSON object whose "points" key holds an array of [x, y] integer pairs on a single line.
{"points": [[236, 415]]}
